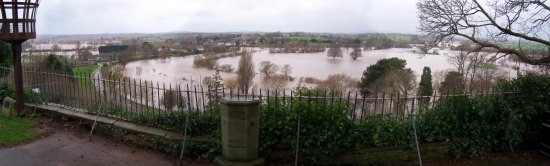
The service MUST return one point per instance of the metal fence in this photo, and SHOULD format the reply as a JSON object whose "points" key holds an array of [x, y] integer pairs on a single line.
{"points": [[124, 98]]}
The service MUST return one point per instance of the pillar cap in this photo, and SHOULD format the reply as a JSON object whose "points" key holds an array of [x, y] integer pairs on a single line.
{"points": [[240, 101]]}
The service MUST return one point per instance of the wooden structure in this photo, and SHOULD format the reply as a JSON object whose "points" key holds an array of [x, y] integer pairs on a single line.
{"points": [[17, 25]]}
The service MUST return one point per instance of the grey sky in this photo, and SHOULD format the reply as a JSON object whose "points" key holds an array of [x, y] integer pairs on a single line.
{"points": [[155, 16]]}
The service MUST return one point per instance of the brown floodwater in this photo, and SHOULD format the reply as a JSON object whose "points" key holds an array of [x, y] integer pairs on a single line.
{"points": [[180, 70]]}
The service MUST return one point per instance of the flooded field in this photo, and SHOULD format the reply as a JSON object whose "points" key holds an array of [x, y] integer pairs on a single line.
{"points": [[316, 65]]}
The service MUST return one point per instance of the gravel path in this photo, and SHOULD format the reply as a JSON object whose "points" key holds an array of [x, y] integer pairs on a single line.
{"points": [[73, 148]]}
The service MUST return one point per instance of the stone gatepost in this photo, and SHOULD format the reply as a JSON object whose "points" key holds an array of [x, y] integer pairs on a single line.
{"points": [[240, 132], [7, 109]]}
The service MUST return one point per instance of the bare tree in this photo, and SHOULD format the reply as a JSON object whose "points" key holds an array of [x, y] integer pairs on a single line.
{"points": [[470, 65], [245, 73], [490, 23], [356, 53], [55, 48], [275, 83], [230, 83], [164, 52], [78, 46], [126, 56], [268, 69], [438, 77], [338, 83], [148, 49], [286, 70], [85, 55], [465, 63], [335, 51]]}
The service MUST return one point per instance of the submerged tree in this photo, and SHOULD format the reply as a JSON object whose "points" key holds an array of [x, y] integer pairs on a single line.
{"points": [[268, 69], [335, 51], [286, 70], [356, 53]]}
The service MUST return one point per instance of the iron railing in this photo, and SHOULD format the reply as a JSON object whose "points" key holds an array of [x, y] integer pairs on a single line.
{"points": [[126, 98]]}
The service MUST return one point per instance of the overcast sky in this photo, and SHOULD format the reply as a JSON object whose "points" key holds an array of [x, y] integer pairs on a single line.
{"points": [[157, 16]]}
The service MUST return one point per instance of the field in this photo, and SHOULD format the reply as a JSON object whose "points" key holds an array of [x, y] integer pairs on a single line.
{"points": [[305, 38], [525, 46], [83, 71], [400, 37]]}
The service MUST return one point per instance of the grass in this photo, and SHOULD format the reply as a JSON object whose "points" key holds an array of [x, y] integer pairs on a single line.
{"points": [[84, 71], [16, 130]]}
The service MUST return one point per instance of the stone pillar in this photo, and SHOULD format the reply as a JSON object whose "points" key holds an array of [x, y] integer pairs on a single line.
{"points": [[240, 132], [7, 108]]}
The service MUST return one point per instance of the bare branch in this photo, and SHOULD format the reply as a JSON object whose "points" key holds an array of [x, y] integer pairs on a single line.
{"points": [[489, 26]]}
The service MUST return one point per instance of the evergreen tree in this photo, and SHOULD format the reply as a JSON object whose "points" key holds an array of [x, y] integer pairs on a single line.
{"points": [[378, 70], [425, 87], [216, 88], [57, 64], [452, 83]]}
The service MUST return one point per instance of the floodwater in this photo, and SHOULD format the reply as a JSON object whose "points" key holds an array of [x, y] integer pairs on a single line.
{"points": [[180, 70]]}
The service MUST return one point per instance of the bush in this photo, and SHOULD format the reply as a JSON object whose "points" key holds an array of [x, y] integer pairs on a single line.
{"points": [[471, 126], [474, 126], [532, 99], [6, 91], [323, 131], [29, 96], [383, 130], [481, 125]]}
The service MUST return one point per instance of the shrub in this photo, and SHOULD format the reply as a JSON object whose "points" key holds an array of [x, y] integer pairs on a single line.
{"points": [[481, 125], [383, 130], [323, 131], [532, 99], [474, 126], [29, 96]]}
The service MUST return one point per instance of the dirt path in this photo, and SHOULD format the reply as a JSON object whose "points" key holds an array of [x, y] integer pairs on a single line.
{"points": [[73, 148]]}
